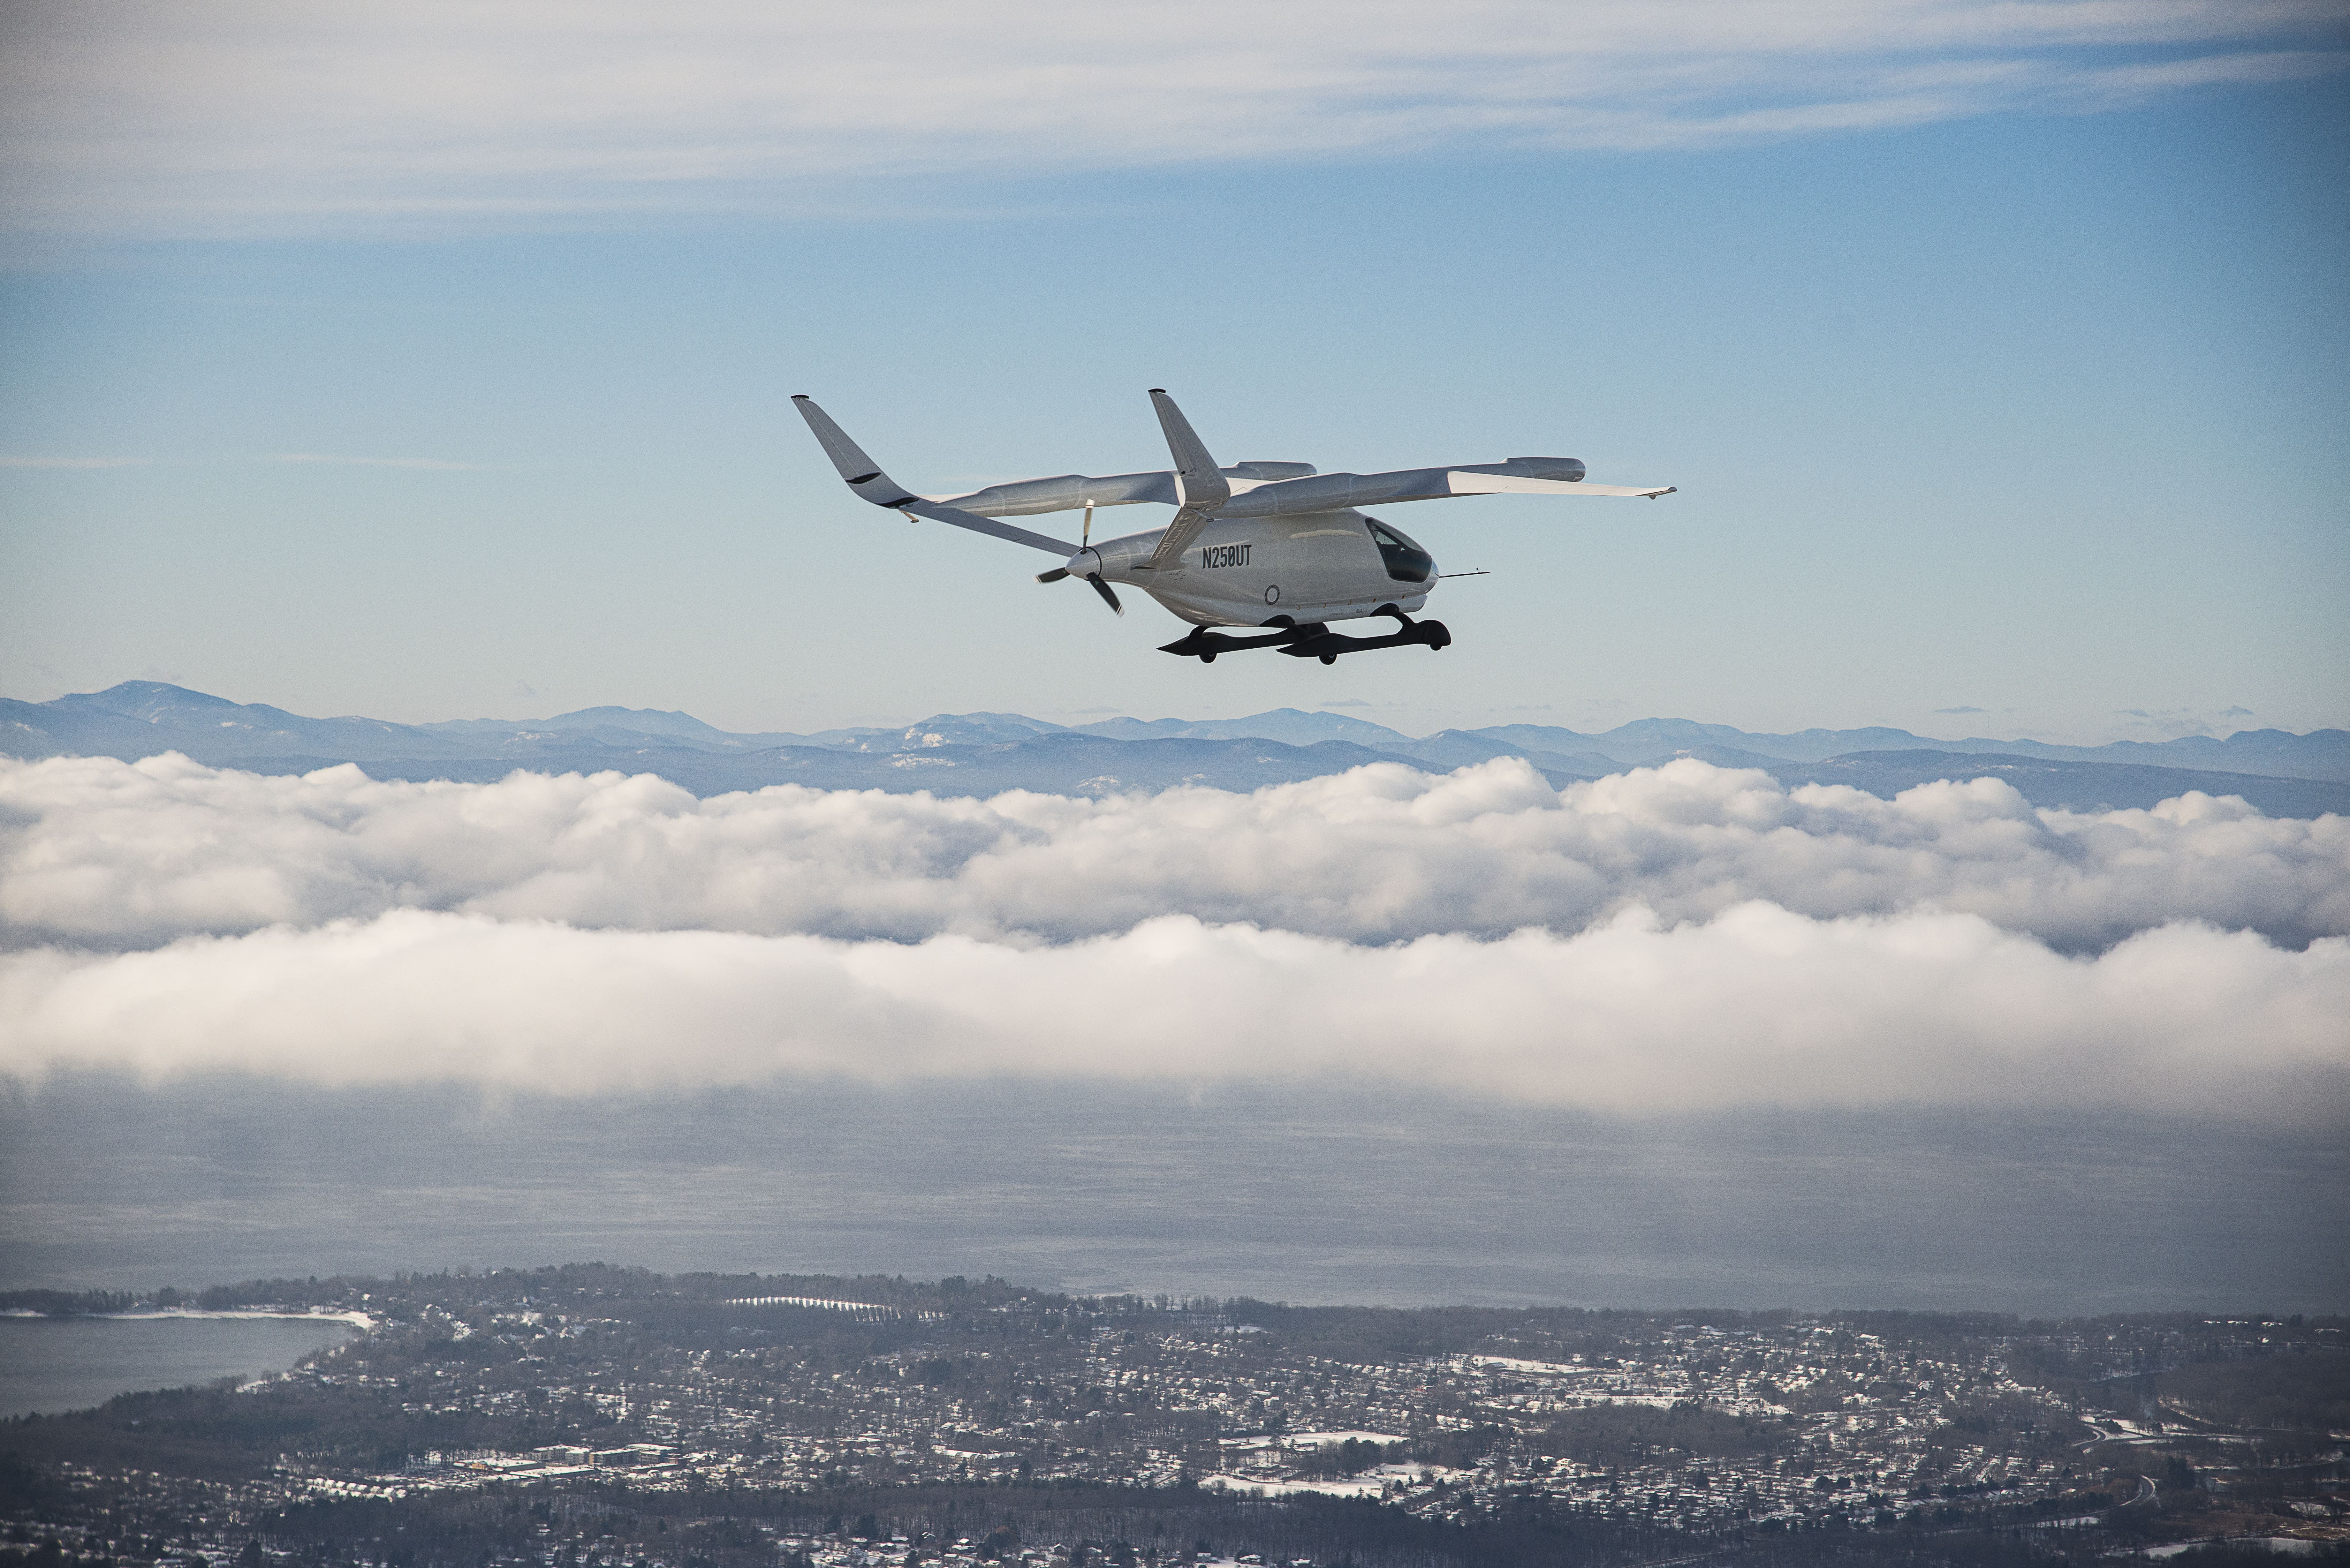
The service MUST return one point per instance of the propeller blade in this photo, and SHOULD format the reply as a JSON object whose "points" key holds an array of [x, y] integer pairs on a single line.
{"points": [[1108, 595], [1055, 576]]}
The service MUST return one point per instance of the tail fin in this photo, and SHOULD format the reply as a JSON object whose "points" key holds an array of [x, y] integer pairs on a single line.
{"points": [[1198, 481], [1202, 483]]}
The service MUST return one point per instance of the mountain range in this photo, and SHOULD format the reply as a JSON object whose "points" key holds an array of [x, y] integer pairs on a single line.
{"points": [[2281, 773]]}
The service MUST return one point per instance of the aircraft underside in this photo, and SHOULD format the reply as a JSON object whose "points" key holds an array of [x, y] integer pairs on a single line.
{"points": [[1313, 640]]}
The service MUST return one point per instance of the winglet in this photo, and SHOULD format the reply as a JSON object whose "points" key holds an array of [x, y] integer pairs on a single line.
{"points": [[1197, 478], [863, 475]]}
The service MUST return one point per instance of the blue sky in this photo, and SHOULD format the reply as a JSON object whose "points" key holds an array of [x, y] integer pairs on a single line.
{"points": [[2023, 397]]}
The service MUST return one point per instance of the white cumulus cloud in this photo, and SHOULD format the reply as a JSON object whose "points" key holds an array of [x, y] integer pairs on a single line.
{"points": [[1677, 938], [99, 852], [1756, 1005]]}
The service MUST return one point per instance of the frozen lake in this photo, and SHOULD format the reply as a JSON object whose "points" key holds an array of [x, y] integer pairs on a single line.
{"points": [[51, 1364]]}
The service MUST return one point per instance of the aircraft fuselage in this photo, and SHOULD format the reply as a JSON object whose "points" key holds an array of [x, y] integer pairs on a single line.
{"points": [[1312, 566]]}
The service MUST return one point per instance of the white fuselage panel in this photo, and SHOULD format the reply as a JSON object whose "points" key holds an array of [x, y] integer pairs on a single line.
{"points": [[1315, 567]]}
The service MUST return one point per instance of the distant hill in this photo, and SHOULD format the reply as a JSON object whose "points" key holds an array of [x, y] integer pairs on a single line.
{"points": [[983, 754], [1293, 726], [1061, 764], [614, 721], [2320, 754], [139, 718], [2068, 786], [939, 730]]}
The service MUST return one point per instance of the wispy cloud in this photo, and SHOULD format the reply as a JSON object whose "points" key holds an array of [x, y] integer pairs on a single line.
{"points": [[1960, 710], [260, 114], [429, 462], [73, 462]]}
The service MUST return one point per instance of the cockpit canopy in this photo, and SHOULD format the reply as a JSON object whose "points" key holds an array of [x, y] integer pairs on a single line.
{"points": [[1405, 560]]}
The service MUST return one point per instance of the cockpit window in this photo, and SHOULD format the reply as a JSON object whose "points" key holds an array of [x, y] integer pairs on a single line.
{"points": [[1406, 562]]}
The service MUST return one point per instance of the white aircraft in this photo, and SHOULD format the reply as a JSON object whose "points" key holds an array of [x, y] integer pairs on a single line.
{"points": [[1270, 545]]}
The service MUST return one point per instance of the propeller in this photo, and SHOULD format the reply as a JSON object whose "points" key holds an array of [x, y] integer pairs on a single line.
{"points": [[1085, 542], [1108, 594]]}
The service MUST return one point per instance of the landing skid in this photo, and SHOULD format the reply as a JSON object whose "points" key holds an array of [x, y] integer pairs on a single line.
{"points": [[1313, 640]]}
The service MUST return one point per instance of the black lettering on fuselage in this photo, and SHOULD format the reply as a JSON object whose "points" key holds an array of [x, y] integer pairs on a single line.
{"points": [[1224, 555]]}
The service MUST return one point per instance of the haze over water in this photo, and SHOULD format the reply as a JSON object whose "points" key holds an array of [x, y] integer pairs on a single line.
{"points": [[1339, 1195]]}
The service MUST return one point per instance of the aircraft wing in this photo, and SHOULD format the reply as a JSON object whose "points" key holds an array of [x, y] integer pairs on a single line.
{"points": [[867, 483], [978, 525], [1338, 492], [1460, 484]]}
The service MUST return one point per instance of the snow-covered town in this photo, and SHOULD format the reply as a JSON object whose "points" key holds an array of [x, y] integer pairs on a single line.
{"points": [[615, 1419]]}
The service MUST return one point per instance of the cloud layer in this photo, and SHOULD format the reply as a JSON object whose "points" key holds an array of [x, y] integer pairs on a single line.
{"points": [[99, 852], [266, 113], [1677, 938], [1756, 1005]]}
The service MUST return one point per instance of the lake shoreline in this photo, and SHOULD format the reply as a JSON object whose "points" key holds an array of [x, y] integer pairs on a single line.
{"points": [[53, 1363], [359, 1320]]}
